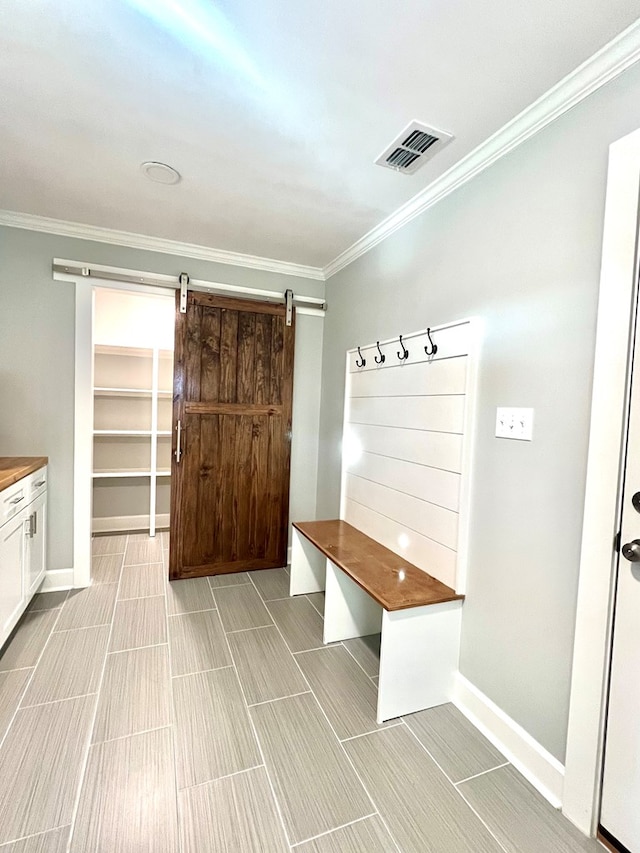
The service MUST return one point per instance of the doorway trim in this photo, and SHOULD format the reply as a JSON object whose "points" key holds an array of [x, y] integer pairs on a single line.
{"points": [[83, 416], [616, 309]]}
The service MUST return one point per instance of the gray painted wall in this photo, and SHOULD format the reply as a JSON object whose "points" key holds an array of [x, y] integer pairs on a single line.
{"points": [[37, 340], [519, 246]]}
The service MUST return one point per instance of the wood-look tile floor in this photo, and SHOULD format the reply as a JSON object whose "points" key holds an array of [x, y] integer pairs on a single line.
{"points": [[139, 716]]}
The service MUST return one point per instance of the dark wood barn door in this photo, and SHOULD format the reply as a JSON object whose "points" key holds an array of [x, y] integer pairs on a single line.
{"points": [[233, 388]]}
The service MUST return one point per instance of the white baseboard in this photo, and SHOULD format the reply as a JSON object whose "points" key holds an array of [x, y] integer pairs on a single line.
{"points": [[289, 555], [117, 523], [537, 765], [57, 579]]}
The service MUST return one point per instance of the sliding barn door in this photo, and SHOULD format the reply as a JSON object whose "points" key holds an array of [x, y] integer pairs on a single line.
{"points": [[233, 388]]}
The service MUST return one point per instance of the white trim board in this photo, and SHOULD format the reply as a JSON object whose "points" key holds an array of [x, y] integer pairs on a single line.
{"points": [[57, 579], [118, 523], [99, 234], [83, 436], [618, 287], [605, 65], [538, 766]]}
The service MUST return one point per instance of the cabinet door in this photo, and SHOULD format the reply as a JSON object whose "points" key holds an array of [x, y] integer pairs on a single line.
{"points": [[36, 544], [12, 560]]}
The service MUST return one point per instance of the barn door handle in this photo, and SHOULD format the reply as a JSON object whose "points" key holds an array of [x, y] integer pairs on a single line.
{"points": [[179, 441]]}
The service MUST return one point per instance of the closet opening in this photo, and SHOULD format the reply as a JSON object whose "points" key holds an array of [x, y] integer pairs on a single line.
{"points": [[132, 358]]}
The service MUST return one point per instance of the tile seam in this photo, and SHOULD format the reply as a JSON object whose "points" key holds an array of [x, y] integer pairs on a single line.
{"points": [[337, 739], [482, 773], [259, 745], [87, 748], [336, 829], [29, 680], [460, 794]]}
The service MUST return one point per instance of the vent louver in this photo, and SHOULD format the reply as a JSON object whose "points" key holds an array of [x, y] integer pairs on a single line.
{"points": [[413, 147]]}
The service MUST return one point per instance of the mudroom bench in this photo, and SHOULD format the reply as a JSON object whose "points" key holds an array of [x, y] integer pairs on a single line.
{"points": [[370, 589]]}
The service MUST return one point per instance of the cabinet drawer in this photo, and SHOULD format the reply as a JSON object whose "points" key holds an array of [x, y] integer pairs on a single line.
{"points": [[37, 483], [13, 499]]}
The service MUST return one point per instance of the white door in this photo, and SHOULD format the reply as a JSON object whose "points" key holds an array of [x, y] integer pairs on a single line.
{"points": [[620, 812]]}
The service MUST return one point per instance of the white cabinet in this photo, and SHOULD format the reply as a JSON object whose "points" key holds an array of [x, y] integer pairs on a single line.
{"points": [[23, 544], [12, 554]]}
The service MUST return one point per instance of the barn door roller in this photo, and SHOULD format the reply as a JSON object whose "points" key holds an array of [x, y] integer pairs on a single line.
{"points": [[184, 284], [288, 299]]}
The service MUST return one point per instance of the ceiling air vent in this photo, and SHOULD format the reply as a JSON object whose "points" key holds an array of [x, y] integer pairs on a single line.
{"points": [[416, 144]]}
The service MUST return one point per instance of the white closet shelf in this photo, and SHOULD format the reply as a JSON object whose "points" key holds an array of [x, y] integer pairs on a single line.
{"points": [[115, 432], [100, 391], [162, 433], [112, 473], [114, 349]]}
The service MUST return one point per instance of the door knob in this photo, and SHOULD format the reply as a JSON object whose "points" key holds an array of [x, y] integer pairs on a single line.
{"points": [[631, 551]]}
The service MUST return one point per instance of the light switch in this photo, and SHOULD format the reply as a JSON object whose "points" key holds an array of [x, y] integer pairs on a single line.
{"points": [[514, 423]]}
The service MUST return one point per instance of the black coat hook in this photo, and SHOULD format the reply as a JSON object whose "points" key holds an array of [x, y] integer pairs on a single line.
{"points": [[382, 355], [431, 348], [362, 361], [405, 351]]}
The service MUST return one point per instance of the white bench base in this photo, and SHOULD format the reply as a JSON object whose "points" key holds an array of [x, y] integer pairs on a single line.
{"points": [[418, 658], [419, 646], [309, 563]]}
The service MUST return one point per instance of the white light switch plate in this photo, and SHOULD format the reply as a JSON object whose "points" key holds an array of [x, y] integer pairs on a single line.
{"points": [[514, 423]]}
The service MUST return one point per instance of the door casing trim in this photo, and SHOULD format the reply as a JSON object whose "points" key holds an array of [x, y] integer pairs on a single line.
{"points": [[618, 288]]}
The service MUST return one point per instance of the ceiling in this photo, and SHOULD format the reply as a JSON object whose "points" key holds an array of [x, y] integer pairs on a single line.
{"points": [[273, 111]]}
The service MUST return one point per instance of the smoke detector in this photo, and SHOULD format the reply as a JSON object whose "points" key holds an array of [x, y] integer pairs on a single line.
{"points": [[413, 147], [160, 173]]}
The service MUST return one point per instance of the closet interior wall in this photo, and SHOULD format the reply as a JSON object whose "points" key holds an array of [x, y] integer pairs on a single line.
{"points": [[132, 396]]}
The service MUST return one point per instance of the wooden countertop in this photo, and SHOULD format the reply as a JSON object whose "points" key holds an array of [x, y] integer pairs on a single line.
{"points": [[14, 468], [391, 581]]}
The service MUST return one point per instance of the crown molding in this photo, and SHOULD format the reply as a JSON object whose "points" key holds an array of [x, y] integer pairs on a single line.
{"points": [[112, 236], [608, 63]]}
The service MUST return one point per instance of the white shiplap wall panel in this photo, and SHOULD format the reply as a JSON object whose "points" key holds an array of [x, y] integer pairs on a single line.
{"points": [[429, 484], [434, 558], [408, 434], [430, 520], [441, 414], [436, 449], [446, 376]]}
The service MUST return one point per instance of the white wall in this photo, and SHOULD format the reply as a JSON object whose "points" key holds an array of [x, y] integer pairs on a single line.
{"points": [[133, 319], [37, 330], [518, 246]]}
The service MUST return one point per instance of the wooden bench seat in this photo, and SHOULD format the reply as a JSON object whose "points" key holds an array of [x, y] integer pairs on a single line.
{"points": [[370, 589], [391, 581]]}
